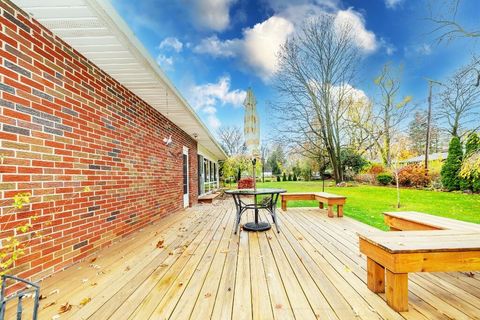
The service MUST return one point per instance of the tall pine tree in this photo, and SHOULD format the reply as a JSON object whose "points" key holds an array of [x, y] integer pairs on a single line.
{"points": [[451, 167]]}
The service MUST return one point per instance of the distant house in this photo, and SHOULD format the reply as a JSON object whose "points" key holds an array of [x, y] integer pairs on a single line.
{"points": [[431, 157]]}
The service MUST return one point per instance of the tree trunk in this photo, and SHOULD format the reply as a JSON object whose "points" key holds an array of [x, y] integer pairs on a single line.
{"points": [[398, 188]]}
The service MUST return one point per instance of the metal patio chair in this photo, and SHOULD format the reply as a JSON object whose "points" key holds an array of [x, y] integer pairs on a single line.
{"points": [[32, 288]]}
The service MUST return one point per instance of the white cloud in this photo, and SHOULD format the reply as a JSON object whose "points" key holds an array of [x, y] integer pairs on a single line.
{"points": [[171, 43], [389, 48], [164, 61], [353, 93], [213, 122], [392, 4], [281, 5], [205, 98], [210, 94], [257, 49], [210, 14], [259, 45], [297, 14], [262, 42], [344, 91], [210, 110], [422, 49], [363, 38], [218, 48]]}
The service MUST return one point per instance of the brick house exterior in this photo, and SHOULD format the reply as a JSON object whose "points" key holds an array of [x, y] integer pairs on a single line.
{"points": [[67, 125]]}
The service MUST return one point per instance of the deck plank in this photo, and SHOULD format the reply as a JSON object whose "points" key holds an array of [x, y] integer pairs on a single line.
{"points": [[176, 285], [80, 278], [442, 306], [261, 307], [210, 289], [122, 309], [312, 269], [184, 306], [115, 295]]}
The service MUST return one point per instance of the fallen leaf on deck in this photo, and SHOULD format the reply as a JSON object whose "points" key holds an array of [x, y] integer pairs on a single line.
{"points": [[48, 305], [94, 284], [65, 308], [278, 306], [54, 292], [93, 259], [160, 244], [85, 301], [300, 238], [470, 274], [127, 268]]}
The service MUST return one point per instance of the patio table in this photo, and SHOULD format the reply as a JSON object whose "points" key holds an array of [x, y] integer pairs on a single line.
{"points": [[269, 203]]}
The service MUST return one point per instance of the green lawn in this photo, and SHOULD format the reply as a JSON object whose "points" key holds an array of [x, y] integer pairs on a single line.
{"points": [[366, 203]]}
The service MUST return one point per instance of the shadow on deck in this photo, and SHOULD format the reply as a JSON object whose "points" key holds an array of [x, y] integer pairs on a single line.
{"points": [[191, 265]]}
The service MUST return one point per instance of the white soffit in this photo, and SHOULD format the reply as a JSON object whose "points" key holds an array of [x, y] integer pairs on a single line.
{"points": [[94, 28]]}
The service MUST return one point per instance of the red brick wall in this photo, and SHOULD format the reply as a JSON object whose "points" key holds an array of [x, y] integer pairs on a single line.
{"points": [[66, 125]]}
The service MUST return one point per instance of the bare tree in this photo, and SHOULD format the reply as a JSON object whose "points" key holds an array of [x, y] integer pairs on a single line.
{"points": [[231, 140], [317, 68], [447, 27], [417, 133], [460, 101], [264, 152], [361, 128], [391, 111]]}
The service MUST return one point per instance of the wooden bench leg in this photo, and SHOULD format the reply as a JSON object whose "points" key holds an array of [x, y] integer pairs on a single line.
{"points": [[330, 211], [375, 276], [340, 210], [397, 290], [320, 204], [284, 205]]}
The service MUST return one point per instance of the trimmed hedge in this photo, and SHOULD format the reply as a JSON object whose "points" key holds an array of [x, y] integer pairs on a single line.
{"points": [[384, 178]]}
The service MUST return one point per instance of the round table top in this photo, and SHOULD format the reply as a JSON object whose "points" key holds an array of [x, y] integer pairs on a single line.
{"points": [[250, 192]]}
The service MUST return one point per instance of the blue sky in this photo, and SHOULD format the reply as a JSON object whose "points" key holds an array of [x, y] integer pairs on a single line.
{"points": [[213, 50]]}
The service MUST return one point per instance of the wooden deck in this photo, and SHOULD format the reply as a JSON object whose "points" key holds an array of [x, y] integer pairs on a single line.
{"points": [[313, 269]]}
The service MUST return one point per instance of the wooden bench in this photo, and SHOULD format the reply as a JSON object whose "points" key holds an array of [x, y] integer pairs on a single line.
{"points": [[431, 244], [411, 220], [322, 197]]}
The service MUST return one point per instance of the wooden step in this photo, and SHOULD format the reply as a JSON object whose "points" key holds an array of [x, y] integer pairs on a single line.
{"points": [[208, 198]]}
